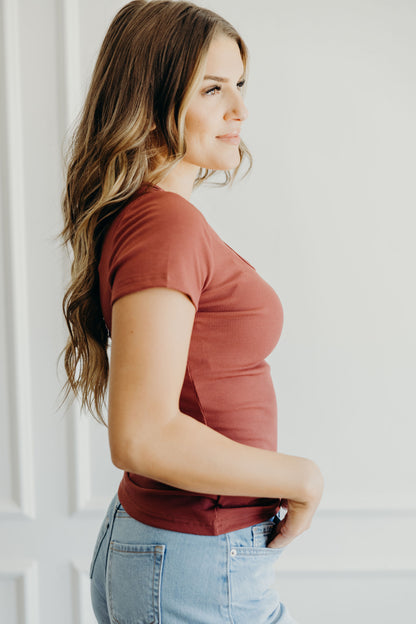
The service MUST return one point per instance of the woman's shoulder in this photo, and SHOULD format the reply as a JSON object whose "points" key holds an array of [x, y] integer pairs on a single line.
{"points": [[153, 217], [158, 239], [163, 209]]}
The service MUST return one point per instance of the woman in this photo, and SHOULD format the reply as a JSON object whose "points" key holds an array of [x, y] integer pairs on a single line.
{"points": [[193, 534]]}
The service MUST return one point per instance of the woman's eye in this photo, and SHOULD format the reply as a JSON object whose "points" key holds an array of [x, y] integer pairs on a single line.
{"points": [[217, 88], [213, 90]]}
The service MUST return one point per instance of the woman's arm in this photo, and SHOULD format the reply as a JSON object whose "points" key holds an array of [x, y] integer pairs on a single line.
{"points": [[151, 332]]}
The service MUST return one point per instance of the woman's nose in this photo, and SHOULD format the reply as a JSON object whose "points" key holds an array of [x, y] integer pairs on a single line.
{"points": [[237, 109]]}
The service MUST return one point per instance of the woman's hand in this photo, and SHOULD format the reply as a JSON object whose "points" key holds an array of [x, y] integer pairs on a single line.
{"points": [[299, 514]]}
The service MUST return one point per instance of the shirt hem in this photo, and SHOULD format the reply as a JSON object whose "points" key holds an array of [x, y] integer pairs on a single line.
{"points": [[216, 524]]}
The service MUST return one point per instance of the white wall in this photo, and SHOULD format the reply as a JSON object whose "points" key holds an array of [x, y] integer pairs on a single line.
{"points": [[327, 216]]}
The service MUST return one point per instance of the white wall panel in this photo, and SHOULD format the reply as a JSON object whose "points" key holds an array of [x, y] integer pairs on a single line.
{"points": [[9, 601], [83, 612], [16, 419], [82, 30], [69, 25], [344, 597], [94, 478], [19, 592]]}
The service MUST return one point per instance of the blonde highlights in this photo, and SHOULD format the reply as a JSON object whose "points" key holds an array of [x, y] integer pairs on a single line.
{"points": [[130, 133]]}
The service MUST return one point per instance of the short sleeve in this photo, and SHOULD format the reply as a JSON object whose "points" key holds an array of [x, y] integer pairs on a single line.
{"points": [[160, 240]]}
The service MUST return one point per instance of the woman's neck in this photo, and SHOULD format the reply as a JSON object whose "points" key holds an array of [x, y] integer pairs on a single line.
{"points": [[180, 179]]}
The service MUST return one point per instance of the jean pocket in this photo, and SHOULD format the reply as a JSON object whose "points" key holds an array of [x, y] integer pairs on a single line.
{"points": [[134, 576], [100, 538], [263, 534], [253, 584]]}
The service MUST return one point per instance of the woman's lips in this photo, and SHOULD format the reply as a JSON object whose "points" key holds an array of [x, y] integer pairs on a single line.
{"points": [[234, 139]]}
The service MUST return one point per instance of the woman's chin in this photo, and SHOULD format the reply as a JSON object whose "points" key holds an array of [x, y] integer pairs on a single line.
{"points": [[225, 165]]}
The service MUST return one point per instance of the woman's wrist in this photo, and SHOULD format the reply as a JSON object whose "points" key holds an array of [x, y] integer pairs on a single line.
{"points": [[299, 479], [313, 483]]}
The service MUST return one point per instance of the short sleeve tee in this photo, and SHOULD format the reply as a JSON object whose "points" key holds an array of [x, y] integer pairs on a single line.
{"points": [[159, 239]]}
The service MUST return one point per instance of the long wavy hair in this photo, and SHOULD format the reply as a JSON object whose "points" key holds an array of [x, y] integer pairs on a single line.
{"points": [[130, 132]]}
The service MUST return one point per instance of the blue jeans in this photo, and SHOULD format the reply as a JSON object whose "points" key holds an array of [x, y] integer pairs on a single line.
{"points": [[144, 575]]}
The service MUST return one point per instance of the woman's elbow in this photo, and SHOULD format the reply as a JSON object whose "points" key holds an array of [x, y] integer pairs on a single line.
{"points": [[126, 455], [136, 453], [143, 449], [119, 460]]}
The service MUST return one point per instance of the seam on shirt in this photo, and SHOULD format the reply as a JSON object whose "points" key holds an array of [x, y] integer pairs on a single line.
{"points": [[217, 520], [128, 286], [188, 367]]}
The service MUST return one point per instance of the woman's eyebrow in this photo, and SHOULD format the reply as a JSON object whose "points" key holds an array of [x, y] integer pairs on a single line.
{"points": [[218, 78]]}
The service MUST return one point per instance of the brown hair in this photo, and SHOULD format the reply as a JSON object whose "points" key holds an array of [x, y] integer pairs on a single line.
{"points": [[130, 132]]}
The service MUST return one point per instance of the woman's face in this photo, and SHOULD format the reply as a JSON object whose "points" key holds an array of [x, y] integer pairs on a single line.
{"points": [[216, 110]]}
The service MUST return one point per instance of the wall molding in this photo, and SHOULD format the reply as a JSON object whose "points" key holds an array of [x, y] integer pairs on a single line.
{"points": [[306, 568], [83, 499], [385, 562], [368, 510], [83, 613], [71, 61], [16, 304], [25, 574]]}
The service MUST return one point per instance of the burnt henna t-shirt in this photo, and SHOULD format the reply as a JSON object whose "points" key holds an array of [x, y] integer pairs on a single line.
{"points": [[159, 239]]}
